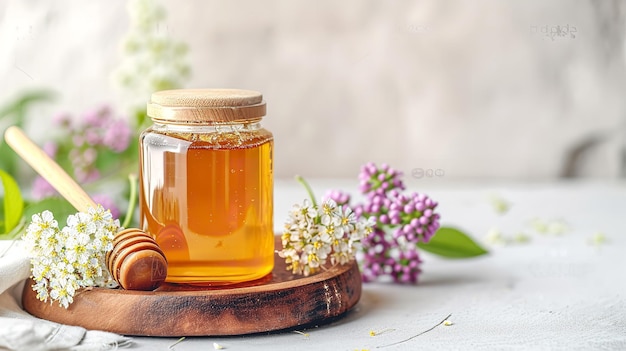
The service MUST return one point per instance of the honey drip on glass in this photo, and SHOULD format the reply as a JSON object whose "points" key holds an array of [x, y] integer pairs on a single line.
{"points": [[208, 203]]}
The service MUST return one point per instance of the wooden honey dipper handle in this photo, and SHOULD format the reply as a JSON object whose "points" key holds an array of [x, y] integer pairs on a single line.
{"points": [[48, 169], [136, 261]]}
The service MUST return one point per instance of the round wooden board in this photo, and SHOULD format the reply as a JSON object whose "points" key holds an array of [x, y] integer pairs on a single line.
{"points": [[278, 301]]}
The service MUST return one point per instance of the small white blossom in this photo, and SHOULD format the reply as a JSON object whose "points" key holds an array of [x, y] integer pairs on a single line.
{"points": [[315, 234], [65, 260]]}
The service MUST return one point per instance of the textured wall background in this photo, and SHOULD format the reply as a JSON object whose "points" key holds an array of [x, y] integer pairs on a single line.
{"points": [[521, 89]]}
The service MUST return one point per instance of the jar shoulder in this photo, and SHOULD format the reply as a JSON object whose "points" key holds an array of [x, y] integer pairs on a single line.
{"points": [[222, 136]]}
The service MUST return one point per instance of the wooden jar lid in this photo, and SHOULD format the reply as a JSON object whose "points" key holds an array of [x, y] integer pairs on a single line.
{"points": [[184, 106]]}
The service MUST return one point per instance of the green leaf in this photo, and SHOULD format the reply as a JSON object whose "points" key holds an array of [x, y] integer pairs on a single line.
{"points": [[15, 113], [13, 202], [17, 107], [107, 159], [16, 232], [141, 118], [452, 243], [8, 158], [60, 207]]}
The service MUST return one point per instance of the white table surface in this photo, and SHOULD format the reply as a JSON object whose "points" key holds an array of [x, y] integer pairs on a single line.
{"points": [[555, 292]]}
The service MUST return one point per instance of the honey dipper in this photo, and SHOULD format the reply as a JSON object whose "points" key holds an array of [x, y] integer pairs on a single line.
{"points": [[136, 261]]}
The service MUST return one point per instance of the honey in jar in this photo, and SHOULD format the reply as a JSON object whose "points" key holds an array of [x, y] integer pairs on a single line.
{"points": [[206, 184]]}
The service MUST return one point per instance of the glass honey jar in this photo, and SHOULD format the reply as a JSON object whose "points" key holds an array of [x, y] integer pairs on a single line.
{"points": [[206, 184]]}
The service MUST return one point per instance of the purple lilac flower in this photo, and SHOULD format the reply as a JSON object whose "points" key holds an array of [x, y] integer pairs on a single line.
{"points": [[376, 248], [98, 129], [383, 257], [402, 220], [378, 181], [406, 268], [414, 215], [97, 118], [91, 137], [41, 189], [376, 205], [117, 136]]}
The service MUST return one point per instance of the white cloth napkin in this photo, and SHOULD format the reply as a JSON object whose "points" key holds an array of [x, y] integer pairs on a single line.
{"points": [[21, 331]]}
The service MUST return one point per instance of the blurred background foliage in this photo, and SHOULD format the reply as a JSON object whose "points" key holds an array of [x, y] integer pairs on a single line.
{"points": [[98, 147]]}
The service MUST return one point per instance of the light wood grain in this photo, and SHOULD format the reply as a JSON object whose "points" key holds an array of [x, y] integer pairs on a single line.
{"points": [[48, 169], [278, 301], [206, 106]]}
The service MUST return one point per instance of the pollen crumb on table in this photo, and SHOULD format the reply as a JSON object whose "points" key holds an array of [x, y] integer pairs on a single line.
{"points": [[301, 333], [376, 333]]}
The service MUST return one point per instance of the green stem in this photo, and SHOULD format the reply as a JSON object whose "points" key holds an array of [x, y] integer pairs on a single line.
{"points": [[308, 189], [132, 201]]}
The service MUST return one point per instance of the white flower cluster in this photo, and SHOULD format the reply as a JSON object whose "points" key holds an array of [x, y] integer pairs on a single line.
{"points": [[313, 234], [64, 260], [153, 60]]}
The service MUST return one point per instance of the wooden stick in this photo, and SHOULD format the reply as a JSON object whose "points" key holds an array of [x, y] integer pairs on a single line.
{"points": [[48, 169]]}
